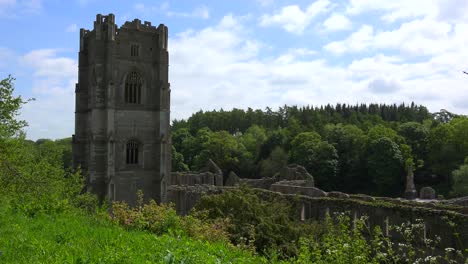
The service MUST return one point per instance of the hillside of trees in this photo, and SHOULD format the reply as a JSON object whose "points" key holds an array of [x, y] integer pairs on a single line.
{"points": [[350, 148]]}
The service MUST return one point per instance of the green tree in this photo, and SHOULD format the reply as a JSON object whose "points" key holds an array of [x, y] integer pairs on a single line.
{"points": [[460, 181], [319, 157], [380, 131], [350, 143], [253, 139], [416, 136], [9, 109], [224, 149], [178, 161], [32, 177], [385, 166], [274, 163]]}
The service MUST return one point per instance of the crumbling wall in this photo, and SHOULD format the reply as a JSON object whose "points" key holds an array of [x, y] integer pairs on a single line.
{"points": [[211, 174], [192, 178], [439, 220], [185, 197]]}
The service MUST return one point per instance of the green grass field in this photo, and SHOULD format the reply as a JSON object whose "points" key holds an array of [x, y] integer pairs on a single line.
{"points": [[74, 237]]}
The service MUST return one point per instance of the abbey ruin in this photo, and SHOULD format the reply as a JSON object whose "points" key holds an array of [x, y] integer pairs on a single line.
{"points": [[122, 140]]}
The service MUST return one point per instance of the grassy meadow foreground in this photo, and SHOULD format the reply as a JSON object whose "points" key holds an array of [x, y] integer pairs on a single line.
{"points": [[76, 237]]}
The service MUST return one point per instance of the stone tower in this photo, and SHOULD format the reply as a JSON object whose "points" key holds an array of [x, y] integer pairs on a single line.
{"points": [[122, 134]]}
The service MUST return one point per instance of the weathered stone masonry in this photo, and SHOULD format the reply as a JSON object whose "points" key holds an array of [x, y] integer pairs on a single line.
{"points": [[122, 138]]}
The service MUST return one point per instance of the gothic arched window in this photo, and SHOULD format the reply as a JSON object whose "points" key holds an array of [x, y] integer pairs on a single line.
{"points": [[131, 156], [133, 85]]}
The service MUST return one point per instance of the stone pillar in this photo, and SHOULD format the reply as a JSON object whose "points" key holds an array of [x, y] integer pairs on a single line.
{"points": [[410, 191]]}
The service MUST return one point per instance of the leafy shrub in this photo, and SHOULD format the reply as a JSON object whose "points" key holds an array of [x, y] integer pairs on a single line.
{"points": [[88, 202], [162, 219], [159, 219], [263, 224]]}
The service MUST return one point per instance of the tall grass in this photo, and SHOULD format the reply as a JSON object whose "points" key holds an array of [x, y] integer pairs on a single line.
{"points": [[76, 237]]}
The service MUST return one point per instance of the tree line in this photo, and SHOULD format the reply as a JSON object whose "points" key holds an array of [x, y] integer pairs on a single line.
{"points": [[351, 148]]}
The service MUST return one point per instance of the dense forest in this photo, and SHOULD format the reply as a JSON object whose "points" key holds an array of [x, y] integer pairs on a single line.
{"points": [[351, 148]]}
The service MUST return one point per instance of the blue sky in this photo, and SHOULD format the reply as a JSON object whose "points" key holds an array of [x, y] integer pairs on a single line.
{"points": [[256, 53]]}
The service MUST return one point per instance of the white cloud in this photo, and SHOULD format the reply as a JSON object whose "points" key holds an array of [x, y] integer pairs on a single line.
{"points": [[391, 11], [224, 76], [53, 83], [418, 37], [395, 9], [71, 28], [46, 63], [337, 22], [293, 19], [419, 60], [357, 41]]}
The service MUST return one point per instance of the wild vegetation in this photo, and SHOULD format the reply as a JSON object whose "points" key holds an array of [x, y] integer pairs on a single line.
{"points": [[45, 217]]}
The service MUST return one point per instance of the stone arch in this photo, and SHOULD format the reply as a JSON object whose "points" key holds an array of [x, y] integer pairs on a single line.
{"points": [[132, 151], [133, 87]]}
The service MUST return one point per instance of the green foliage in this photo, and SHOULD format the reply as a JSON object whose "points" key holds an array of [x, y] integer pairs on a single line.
{"points": [[460, 181], [9, 109], [178, 161], [416, 136], [224, 149], [436, 148], [35, 180], [319, 157], [385, 166], [274, 163], [380, 131], [350, 143], [253, 139], [162, 219], [75, 237], [340, 242], [264, 224]]}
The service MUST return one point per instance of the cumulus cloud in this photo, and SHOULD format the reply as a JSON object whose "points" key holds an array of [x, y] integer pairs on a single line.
{"points": [[357, 41], [293, 19], [394, 10], [53, 83], [222, 66], [337, 22], [417, 37], [225, 76]]}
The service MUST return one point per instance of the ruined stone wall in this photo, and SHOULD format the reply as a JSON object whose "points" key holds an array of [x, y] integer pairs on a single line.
{"points": [[185, 197], [386, 214], [383, 212]]}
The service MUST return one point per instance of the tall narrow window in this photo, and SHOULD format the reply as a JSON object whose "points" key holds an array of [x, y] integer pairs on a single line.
{"points": [[133, 88], [134, 50], [132, 152]]}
